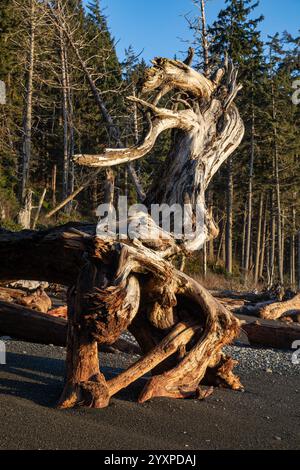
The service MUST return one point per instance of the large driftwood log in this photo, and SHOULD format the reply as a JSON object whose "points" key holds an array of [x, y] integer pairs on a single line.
{"points": [[37, 300], [118, 284], [28, 325], [268, 309], [279, 309], [270, 333]]}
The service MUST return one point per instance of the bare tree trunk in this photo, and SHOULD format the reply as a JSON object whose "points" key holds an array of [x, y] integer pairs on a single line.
{"points": [[221, 243], [71, 149], [244, 237], [109, 190], [282, 240], [41, 202], [65, 115], [229, 217], [268, 263], [24, 216], [292, 249], [250, 197], [53, 184], [278, 198], [298, 263], [27, 124], [205, 260], [205, 49], [258, 240], [72, 196], [264, 241], [131, 168], [273, 240], [211, 254]]}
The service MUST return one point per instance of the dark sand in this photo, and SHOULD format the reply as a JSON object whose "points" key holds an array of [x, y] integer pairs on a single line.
{"points": [[265, 416]]}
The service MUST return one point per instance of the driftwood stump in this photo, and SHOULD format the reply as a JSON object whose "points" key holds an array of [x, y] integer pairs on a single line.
{"points": [[131, 283]]}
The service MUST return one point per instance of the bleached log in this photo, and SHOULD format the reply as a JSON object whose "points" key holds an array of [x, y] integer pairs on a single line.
{"points": [[270, 333], [278, 309], [37, 300]]}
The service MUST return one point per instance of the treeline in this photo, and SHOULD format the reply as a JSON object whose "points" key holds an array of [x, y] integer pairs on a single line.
{"points": [[66, 94]]}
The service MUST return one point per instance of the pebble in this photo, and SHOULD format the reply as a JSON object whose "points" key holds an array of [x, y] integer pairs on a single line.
{"points": [[250, 358], [271, 361]]}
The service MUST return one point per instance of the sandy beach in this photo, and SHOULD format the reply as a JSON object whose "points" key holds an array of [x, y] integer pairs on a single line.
{"points": [[265, 416]]}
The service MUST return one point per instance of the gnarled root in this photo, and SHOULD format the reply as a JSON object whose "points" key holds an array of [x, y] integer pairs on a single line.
{"points": [[220, 329], [182, 348]]}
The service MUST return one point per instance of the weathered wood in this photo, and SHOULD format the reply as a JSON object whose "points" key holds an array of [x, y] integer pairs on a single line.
{"points": [[253, 309], [211, 130], [269, 333], [39, 208], [53, 255], [179, 336], [279, 309], [26, 324], [59, 312], [37, 300], [116, 285]]}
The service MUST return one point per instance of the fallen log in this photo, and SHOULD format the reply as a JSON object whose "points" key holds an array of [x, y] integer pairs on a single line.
{"points": [[37, 300], [253, 309], [250, 297], [278, 309], [270, 333], [234, 305], [53, 255], [28, 325]]}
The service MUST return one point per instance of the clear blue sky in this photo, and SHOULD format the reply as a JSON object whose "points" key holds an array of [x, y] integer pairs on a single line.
{"points": [[159, 26]]}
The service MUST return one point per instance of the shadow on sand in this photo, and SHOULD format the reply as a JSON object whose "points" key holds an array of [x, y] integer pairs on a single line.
{"points": [[40, 379]]}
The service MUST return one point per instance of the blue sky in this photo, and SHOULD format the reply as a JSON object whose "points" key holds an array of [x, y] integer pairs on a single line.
{"points": [[158, 26]]}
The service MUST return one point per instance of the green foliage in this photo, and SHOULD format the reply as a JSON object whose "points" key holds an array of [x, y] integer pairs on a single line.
{"points": [[265, 70]]}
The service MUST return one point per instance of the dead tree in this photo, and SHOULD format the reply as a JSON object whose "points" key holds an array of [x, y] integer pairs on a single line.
{"points": [[27, 124], [119, 284]]}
